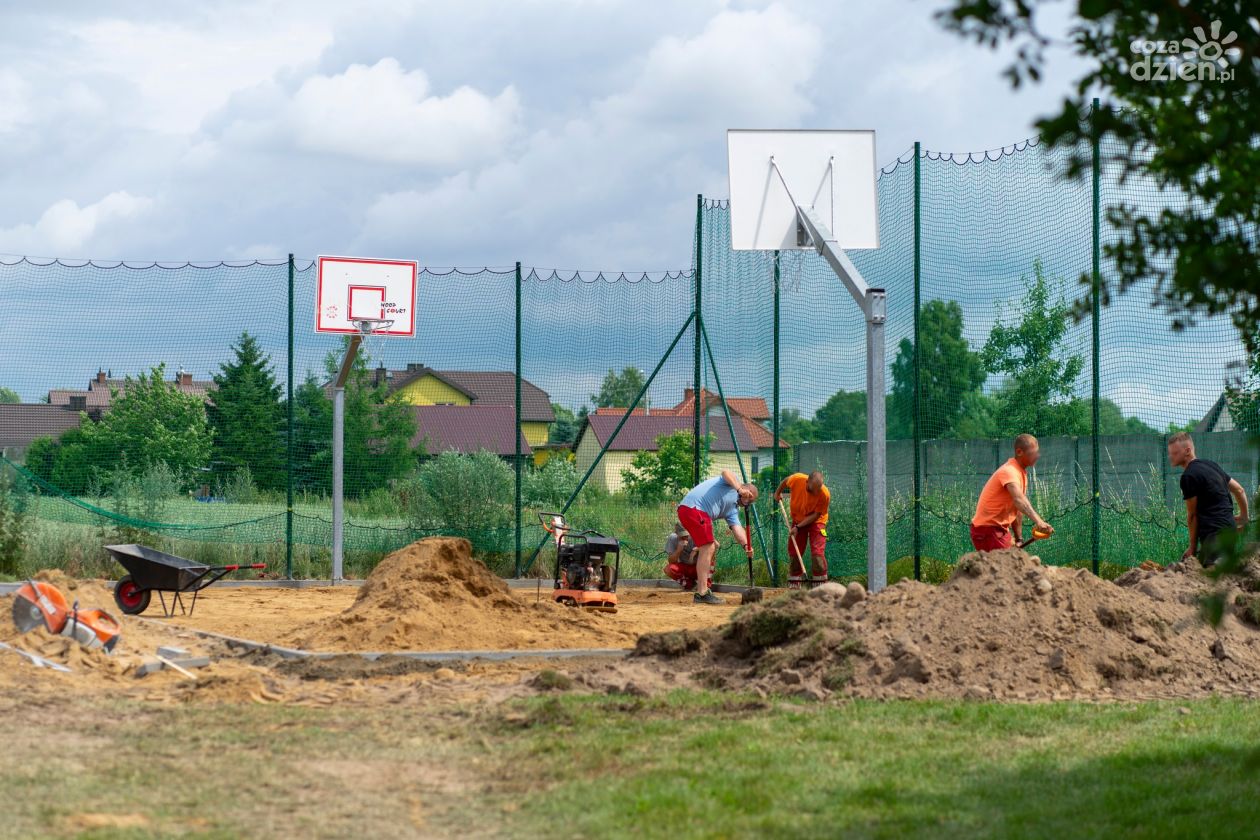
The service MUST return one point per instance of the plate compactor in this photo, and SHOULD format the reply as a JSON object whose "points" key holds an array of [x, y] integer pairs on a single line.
{"points": [[587, 565]]}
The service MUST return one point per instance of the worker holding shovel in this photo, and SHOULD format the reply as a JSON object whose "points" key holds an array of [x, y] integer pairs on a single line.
{"points": [[1003, 503], [709, 501], [807, 526]]}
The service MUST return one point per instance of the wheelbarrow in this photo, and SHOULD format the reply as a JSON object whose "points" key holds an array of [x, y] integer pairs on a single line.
{"points": [[152, 571]]}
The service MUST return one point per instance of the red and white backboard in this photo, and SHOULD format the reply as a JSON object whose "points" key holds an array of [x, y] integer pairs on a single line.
{"points": [[354, 288]]}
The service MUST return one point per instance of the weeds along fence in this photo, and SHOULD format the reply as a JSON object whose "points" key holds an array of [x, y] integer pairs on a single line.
{"points": [[187, 405]]}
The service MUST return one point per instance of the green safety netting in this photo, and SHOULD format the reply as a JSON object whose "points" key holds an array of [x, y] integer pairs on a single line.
{"points": [[188, 404]]}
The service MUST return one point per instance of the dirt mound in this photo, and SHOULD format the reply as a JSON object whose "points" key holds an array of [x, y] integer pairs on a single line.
{"points": [[1003, 627], [433, 595]]}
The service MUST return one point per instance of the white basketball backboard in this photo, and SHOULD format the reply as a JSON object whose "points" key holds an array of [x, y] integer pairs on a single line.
{"points": [[831, 172], [355, 288]]}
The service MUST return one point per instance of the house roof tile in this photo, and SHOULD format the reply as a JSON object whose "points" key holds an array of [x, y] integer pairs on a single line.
{"points": [[467, 429]]}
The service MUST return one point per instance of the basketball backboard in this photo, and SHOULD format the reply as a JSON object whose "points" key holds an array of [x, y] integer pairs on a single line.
{"points": [[351, 289], [773, 171]]}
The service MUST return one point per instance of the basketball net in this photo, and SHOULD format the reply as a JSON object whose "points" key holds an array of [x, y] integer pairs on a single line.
{"points": [[371, 330]]}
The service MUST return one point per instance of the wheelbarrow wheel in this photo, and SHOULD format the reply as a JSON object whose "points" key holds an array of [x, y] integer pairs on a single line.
{"points": [[129, 597]]}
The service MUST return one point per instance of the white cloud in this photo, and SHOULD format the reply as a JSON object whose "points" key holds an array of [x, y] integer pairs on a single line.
{"points": [[177, 73], [385, 114], [608, 181], [745, 66], [15, 105], [65, 228]]}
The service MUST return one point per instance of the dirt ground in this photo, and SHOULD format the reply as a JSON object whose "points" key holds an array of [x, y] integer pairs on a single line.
{"points": [[426, 597], [277, 615], [1003, 627]]}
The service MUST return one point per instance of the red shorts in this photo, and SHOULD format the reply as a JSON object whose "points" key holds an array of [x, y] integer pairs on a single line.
{"points": [[991, 537], [698, 524]]}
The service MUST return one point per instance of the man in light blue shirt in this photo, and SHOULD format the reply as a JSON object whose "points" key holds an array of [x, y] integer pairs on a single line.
{"points": [[716, 498]]}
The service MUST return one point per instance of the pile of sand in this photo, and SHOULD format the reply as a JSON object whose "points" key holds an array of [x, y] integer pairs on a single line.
{"points": [[1002, 627], [432, 595]]}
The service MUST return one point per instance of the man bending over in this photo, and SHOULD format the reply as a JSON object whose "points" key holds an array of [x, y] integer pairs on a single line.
{"points": [[709, 501]]}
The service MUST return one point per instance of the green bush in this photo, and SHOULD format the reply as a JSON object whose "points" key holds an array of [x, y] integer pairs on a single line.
{"points": [[551, 485], [14, 522], [666, 473], [237, 486], [466, 495]]}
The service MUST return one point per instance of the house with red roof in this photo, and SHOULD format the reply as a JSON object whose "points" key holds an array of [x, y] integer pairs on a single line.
{"points": [[644, 426]]}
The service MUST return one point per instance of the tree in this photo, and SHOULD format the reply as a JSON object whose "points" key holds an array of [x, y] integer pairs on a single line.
{"points": [[1195, 137], [378, 432], [948, 370], [1111, 420], [9, 396], [1243, 397], [1037, 395], [150, 422], [977, 417], [842, 417], [247, 416], [667, 472], [618, 390], [794, 428], [564, 430], [312, 437]]}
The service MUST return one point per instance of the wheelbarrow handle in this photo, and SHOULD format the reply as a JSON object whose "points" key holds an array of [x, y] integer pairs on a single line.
{"points": [[237, 566]]}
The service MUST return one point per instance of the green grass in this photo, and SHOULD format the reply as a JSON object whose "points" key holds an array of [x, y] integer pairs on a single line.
{"points": [[65, 536], [702, 766], [688, 765]]}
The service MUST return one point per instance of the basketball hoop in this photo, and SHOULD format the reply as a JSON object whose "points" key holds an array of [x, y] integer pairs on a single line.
{"points": [[369, 327]]}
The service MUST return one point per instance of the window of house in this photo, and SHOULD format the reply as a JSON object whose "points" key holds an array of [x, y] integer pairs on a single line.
{"points": [[756, 463]]}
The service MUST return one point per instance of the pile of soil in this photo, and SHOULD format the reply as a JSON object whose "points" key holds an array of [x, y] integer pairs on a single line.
{"points": [[1003, 627], [432, 595]]}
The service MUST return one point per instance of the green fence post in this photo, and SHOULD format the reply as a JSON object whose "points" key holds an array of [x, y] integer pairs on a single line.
{"points": [[917, 432], [774, 470], [288, 478], [695, 431], [739, 457], [519, 465], [1095, 292]]}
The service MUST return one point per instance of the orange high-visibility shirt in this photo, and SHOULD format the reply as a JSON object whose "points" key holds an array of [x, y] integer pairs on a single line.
{"points": [[996, 505], [804, 502]]}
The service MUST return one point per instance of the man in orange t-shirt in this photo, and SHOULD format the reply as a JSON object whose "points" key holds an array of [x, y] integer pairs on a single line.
{"points": [[808, 511], [1004, 498]]}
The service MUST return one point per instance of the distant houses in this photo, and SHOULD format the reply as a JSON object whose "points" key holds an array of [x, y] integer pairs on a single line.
{"points": [[469, 410], [643, 427], [65, 408], [466, 411]]}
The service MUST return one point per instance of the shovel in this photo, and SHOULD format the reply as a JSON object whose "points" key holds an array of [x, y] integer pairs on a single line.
{"points": [[748, 548], [787, 522]]}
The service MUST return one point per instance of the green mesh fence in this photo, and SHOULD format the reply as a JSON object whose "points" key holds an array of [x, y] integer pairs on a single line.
{"points": [[188, 406]]}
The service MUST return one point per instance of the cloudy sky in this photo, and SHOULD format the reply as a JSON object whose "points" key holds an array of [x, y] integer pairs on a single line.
{"points": [[566, 133]]}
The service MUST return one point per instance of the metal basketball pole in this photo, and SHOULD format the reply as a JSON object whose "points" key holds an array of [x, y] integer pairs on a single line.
{"points": [[813, 232], [338, 454]]}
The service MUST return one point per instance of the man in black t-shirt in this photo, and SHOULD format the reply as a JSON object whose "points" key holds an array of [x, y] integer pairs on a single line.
{"points": [[1207, 490]]}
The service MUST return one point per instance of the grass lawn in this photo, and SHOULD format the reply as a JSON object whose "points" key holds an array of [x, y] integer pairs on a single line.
{"points": [[691, 765]]}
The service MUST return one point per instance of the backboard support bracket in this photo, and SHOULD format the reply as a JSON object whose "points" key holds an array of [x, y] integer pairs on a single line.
{"points": [[811, 231]]}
